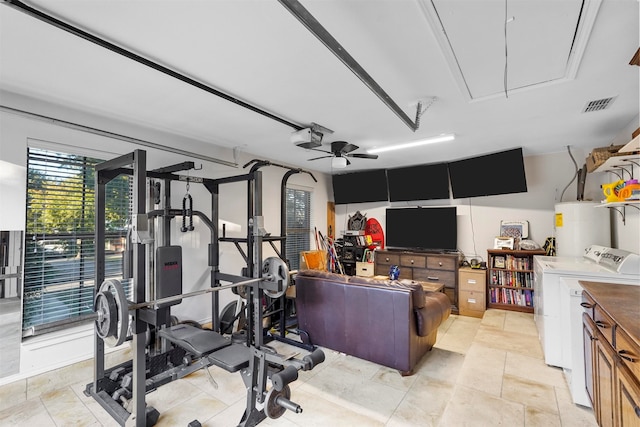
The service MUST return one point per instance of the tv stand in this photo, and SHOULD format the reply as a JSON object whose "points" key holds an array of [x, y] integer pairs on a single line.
{"points": [[423, 266]]}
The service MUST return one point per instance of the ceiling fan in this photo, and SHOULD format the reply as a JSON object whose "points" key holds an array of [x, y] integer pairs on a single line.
{"points": [[340, 150]]}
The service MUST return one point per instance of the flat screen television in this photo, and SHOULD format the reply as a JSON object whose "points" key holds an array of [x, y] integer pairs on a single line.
{"points": [[488, 175], [422, 228], [422, 182], [360, 187]]}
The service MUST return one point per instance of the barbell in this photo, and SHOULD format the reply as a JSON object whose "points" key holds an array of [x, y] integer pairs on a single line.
{"points": [[112, 308]]}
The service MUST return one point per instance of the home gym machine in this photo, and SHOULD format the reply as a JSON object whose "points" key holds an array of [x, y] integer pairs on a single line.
{"points": [[279, 307], [183, 348]]}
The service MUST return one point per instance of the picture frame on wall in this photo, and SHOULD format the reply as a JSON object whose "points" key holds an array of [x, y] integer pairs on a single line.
{"points": [[503, 242]]}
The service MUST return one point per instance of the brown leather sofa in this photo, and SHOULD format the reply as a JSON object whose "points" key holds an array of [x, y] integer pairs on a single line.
{"points": [[392, 323]]}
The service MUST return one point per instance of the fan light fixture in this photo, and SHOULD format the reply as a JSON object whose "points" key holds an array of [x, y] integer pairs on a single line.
{"points": [[441, 138], [339, 162]]}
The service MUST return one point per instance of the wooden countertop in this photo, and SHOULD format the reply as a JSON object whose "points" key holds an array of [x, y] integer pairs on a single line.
{"points": [[620, 302]]}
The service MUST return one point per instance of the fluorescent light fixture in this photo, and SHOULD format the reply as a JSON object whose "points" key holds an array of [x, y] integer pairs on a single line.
{"points": [[433, 140], [339, 162]]}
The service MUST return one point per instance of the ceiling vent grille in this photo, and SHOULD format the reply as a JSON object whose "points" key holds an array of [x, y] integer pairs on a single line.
{"points": [[599, 104]]}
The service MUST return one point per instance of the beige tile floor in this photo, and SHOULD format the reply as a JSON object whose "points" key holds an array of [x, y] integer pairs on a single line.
{"points": [[482, 372]]}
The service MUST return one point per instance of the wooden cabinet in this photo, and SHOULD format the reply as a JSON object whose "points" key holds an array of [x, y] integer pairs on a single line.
{"points": [[589, 337], [510, 279], [471, 292], [611, 325], [425, 267]]}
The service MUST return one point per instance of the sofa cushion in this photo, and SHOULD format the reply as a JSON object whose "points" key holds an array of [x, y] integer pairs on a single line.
{"points": [[417, 293]]}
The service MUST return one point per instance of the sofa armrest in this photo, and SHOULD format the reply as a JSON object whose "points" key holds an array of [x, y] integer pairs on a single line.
{"points": [[436, 310]]}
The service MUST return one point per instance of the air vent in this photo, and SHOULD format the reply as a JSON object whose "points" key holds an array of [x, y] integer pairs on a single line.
{"points": [[599, 104]]}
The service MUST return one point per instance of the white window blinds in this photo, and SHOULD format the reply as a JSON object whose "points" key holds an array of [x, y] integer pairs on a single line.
{"points": [[59, 250], [298, 224]]}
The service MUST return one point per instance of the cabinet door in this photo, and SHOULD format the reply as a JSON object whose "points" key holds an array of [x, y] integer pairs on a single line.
{"points": [[628, 394], [605, 371], [588, 332]]}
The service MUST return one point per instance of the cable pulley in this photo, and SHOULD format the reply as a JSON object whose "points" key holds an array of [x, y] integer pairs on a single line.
{"points": [[187, 211]]}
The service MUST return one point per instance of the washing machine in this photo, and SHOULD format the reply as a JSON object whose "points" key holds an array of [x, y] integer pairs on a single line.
{"points": [[557, 311]]}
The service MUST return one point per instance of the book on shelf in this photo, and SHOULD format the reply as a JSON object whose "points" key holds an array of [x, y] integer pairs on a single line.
{"points": [[521, 297], [519, 279]]}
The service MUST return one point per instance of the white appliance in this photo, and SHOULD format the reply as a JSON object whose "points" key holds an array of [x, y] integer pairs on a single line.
{"points": [[578, 225], [557, 293]]}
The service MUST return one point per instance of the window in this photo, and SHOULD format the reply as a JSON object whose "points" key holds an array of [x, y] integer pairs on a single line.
{"points": [[59, 251], [298, 224]]}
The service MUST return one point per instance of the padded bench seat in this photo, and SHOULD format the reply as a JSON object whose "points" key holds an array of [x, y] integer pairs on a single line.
{"points": [[231, 358], [196, 341]]}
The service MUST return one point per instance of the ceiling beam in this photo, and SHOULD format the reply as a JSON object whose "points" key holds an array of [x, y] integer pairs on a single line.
{"points": [[22, 7], [312, 24]]}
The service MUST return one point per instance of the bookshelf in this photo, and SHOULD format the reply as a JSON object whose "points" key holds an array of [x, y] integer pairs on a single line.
{"points": [[510, 279]]}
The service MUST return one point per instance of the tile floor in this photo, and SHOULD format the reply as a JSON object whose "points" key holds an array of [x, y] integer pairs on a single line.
{"points": [[482, 372]]}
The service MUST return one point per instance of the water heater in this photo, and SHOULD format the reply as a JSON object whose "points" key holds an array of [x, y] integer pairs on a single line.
{"points": [[579, 225]]}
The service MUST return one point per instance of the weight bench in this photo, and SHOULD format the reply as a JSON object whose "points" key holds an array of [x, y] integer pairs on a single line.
{"points": [[201, 342]]}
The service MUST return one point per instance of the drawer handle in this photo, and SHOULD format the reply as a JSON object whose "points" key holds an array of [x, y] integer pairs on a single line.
{"points": [[433, 278], [593, 338], [587, 305], [440, 264], [625, 355], [601, 324], [386, 259], [411, 261]]}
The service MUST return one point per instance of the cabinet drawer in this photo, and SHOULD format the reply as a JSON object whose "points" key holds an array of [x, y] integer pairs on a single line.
{"points": [[447, 278], [470, 281], [442, 262], [385, 258], [628, 351], [412, 261], [604, 323], [471, 303]]}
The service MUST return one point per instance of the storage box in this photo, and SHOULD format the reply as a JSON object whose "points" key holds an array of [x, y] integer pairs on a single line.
{"points": [[600, 155], [364, 269]]}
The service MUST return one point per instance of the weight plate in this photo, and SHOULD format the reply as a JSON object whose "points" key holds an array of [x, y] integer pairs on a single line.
{"points": [[277, 269], [271, 407], [120, 316], [105, 306]]}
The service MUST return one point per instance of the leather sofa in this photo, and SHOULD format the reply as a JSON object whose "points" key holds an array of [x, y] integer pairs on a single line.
{"points": [[392, 323]]}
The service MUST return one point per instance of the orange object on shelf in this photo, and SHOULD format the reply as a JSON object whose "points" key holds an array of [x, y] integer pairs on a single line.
{"points": [[628, 190]]}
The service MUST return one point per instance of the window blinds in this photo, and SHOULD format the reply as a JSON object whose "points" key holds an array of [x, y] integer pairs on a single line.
{"points": [[298, 224], [59, 248]]}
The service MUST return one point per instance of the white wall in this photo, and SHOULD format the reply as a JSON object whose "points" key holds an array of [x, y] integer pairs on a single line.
{"points": [[53, 350], [547, 176]]}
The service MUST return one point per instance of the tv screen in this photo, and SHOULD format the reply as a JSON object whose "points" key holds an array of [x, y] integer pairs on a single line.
{"points": [[488, 175], [422, 228], [422, 182], [360, 187]]}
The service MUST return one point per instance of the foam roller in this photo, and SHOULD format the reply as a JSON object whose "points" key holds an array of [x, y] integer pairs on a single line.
{"points": [[313, 359], [284, 377]]}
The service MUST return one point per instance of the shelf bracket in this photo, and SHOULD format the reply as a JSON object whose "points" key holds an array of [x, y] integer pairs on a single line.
{"points": [[622, 213]]}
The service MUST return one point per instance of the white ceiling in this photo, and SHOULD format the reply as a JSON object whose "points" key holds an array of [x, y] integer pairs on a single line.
{"points": [[414, 49]]}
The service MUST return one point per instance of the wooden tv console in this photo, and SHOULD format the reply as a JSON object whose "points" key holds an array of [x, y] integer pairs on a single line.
{"points": [[423, 266]]}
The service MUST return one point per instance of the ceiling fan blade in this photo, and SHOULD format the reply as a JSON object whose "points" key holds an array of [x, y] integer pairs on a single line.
{"points": [[342, 147], [316, 158], [363, 156], [322, 151]]}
